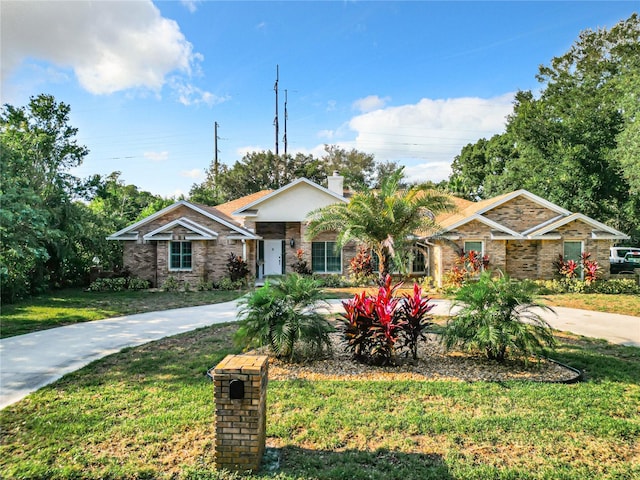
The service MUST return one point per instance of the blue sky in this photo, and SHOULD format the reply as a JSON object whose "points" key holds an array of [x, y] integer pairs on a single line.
{"points": [[406, 81]]}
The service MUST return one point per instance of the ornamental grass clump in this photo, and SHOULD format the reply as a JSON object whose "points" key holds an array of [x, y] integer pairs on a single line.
{"points": [[377, 326], [498, 317]]}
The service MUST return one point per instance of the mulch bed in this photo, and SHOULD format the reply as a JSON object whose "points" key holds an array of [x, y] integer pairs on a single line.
{"points": [[433, 364]]}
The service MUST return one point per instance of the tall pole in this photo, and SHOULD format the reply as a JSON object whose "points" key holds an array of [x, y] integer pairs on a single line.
{"points": [[284, 139], [275, 122], [216, 165]]}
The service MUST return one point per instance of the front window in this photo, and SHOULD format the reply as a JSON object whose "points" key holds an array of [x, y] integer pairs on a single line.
{"points": [[325, 258], [180, 256], [418, 263]]}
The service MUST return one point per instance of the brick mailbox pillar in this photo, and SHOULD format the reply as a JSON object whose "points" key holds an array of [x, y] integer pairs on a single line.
{"points": [[240, 394]]}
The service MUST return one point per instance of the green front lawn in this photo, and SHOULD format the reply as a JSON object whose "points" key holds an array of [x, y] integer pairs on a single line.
{"points": [[74, 305], [70, 306], [147, 412]]}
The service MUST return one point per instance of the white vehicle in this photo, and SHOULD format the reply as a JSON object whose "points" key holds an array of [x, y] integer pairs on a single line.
{"points": [[617, 254]]}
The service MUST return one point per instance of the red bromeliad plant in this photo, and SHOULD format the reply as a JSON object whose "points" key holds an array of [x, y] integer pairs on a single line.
{"points": [[375, 324]]}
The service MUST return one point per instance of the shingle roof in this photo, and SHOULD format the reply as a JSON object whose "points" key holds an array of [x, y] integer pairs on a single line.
{"points": [[230, 207]]}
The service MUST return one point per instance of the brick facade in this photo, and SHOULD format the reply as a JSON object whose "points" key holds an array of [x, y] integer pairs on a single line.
{"points": [[519, 258], [520, 214]]}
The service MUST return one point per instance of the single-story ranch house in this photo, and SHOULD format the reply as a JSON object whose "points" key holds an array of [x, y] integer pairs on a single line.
{"points": [[521, 233]]}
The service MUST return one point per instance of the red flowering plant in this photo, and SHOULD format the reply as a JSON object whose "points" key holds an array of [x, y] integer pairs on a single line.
{"points": [[590, 267], [376, 325], [301, 266], [415, 315], [468, 265], [570, 269]]}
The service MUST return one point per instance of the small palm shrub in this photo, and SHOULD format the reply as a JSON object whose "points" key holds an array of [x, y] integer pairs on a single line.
{"points": [[497, 317], [283, 317], [377, 326]]}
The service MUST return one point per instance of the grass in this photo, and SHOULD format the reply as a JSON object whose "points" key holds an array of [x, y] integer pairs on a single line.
{"points": [[66, 307], [70, 306], [147, 413], [623, 304]]}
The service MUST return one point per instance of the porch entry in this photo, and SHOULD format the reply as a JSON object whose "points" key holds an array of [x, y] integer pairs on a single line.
{"points": [[274, 258]]}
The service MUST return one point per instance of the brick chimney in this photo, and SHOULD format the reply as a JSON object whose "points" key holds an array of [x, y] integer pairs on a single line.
{"points": [[335, 183]]}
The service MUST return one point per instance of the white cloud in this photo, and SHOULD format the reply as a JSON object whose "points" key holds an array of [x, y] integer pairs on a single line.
{"points": [[432, 130], [331, 105], [434, 171], [110, 46], [191, 5], [328, 134], [189, 94], [196, 173], [156, 156], [370, 103]]}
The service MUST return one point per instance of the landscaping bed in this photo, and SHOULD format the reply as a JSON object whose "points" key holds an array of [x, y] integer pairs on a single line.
{"points": [[433, 364]]}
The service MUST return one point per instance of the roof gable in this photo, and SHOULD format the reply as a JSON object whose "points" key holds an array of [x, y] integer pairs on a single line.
{"points": [[601, 231], [557, 218], [290, 203], [196, 231], [131, 233]]}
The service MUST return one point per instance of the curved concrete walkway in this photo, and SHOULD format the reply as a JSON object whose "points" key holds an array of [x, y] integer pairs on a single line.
{"points": [[29, 362]]}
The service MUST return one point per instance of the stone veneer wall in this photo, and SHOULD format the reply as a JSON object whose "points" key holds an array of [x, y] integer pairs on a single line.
{"points": [[240, 424]]}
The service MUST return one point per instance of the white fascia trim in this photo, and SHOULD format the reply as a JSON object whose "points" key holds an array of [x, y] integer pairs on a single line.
{"points": [[129, 236], [581, 217], [203, 233], [486, 221], [240, 230], [151, 217], [553, 236], [596, 236], [250, 206], [173, 206], [534, 198], [542, 225]]}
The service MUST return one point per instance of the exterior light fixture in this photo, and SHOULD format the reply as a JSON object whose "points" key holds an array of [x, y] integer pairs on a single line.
{"points": [[292, 242]]}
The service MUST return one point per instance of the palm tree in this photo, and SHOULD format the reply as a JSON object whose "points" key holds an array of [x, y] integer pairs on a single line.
{"points": [[383, 219]]}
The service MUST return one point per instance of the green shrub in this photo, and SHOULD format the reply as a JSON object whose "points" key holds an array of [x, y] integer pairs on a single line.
{"points": [[227, 284], [284, 317], [496, 318], [118, 284], [612, 286], [331, 281], [204, 285], [171, 284], [138, 284]]}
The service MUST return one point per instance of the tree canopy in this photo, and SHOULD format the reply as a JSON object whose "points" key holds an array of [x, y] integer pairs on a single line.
{"points": [[267, 171], [578, 142], [49, 235]]}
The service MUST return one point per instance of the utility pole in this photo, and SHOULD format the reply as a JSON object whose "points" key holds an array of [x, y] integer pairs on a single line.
{"points": [[216, 165], [284, 139], [275, 122]]}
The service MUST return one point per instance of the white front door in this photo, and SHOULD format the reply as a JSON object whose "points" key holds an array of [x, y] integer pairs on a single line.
{"points": [[273, 257]]}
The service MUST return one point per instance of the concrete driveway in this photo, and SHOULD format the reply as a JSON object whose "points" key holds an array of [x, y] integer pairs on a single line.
{"points": [[29, 362]]}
